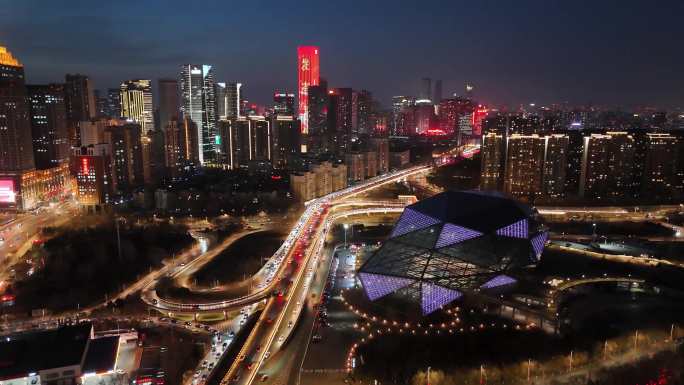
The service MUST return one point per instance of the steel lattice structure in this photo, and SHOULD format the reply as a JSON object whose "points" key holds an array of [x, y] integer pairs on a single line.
{"points": [[451, 243]]}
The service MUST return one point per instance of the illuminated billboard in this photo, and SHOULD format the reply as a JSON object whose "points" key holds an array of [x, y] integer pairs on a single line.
{"points": [[7, 192], [308, 71]]}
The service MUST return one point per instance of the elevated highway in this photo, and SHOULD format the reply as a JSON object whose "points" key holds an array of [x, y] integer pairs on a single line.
{"points": [[315, 213]]}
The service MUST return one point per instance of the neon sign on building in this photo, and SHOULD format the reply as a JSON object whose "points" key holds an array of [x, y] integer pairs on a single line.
{"points": [[308, 71]]}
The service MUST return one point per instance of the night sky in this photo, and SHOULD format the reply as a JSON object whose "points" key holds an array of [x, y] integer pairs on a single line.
{"points": [[602, 52]]}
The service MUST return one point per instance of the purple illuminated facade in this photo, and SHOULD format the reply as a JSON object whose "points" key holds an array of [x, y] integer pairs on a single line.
{"points": [[499, 280], [538, 242], [519, 229], [454, 234], [434, 297], [454, 243], [412, 220], [377, 285]]}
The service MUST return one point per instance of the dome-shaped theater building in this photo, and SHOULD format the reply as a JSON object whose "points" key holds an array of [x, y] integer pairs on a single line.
{"points": [[453, 243]]}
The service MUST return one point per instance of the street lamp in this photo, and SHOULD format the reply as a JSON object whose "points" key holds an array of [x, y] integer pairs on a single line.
{"points": [[346, 226], [636, 339]]}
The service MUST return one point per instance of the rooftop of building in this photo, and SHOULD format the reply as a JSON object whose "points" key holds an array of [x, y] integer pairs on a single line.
{"points": [[101, 355], [26, 353], [7, 59], [478, 210]]}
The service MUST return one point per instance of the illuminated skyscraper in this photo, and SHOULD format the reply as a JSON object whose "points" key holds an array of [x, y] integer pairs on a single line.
{"points": [[478, 116], [113, 106], [136, 106], [340, 108], [465, 126], [286, 139], [91, 165], [406, 122], [399, 103], [528, 166], [555, 165], [80, 102], [48, 125], [100, 104], [198, 103], [493, 161], [450, 112], [661, 162], [283, 103], [308, 71], [607, 163], [424, 117], [362, 109], [379, 123], [245, 140], [128, 168], [136, 102], [15, 127], [228, 100], [318, 108], [524, 165], [318, 139], [247, 109], [189, 136], [381, 148], [221, 101], [173, 148]]}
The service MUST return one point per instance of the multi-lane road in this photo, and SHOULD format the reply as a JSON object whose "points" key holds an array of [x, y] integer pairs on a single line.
{"points": [[18, 234], [282, 312], [296, 242], [285, 346]]}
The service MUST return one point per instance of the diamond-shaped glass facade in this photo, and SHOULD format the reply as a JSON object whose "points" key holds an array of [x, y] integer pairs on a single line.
{"points": [[499, 280], [518, 229], [434, 297], [454, 234], [453, 243], [411, 220], [538, 242], [377, 285], [422, 238]]}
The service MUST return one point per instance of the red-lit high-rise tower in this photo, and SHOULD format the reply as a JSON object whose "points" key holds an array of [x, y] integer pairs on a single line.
{"points": [[478, 115], [309, 75]]}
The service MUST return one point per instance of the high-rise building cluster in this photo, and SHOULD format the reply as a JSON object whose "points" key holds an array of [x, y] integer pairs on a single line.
{"points": [[108, 145], [583, 155], [338, 124], [111, 144], [430, 114], [34, 138]]}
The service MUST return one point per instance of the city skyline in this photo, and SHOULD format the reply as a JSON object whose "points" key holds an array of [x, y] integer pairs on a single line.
{"points": [[543, 60], [341, 193]]}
